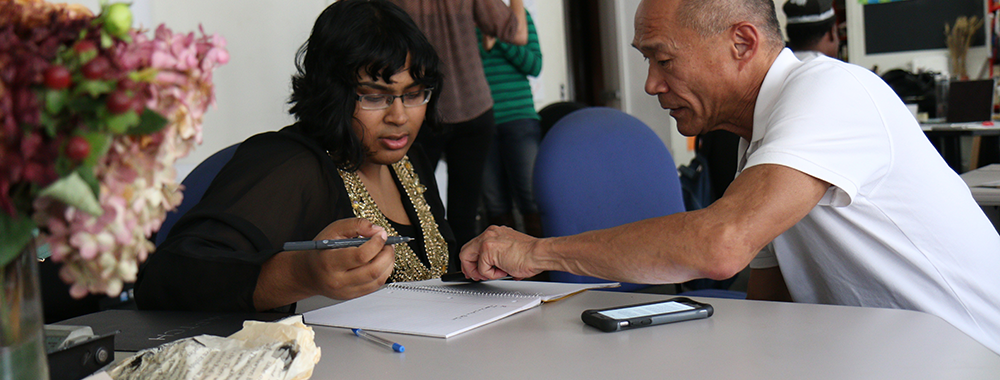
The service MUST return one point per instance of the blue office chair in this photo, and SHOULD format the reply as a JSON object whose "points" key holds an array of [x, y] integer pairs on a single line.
{"points": [[195, 184], [599, 168], [551, 113]]}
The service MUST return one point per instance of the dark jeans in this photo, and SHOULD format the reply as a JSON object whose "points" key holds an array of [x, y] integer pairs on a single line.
{"points": [[464, 146], [509, 167]]}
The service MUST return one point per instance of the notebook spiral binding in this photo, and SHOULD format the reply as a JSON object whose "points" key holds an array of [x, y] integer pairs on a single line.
{"points": [[456, 290]]}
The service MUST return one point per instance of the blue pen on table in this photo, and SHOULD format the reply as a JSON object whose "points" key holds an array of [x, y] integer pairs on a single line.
{"points": [[339, 243], [379, 340]]}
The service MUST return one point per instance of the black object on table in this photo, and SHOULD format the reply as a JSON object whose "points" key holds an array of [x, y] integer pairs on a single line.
{"points": [[141, 329]]}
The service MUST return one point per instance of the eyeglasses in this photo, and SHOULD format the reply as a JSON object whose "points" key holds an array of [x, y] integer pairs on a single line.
{"points": [[383, 101]]}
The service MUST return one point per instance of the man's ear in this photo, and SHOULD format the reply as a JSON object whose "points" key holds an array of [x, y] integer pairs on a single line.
{"points": [[746, 40]]}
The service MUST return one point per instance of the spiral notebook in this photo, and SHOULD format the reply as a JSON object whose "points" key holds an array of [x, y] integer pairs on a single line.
{"points": [[439, 309]]}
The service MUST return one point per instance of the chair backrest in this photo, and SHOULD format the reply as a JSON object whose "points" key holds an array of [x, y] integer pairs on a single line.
{"points": [[551, 113], [599, 168], [195, 184]]}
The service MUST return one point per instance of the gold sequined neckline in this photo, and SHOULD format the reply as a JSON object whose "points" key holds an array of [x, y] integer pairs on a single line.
{"points": [[408, 266]]}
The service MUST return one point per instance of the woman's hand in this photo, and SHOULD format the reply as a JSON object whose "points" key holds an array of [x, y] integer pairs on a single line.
{"points": [[342, 273], [488, 42], [347, 273]]}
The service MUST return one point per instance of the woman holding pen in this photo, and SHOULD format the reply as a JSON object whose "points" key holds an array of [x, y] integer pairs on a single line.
{"points": [[365, 87]]}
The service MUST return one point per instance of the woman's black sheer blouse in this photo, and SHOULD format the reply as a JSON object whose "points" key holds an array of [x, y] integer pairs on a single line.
{"points": [[278, 187]]}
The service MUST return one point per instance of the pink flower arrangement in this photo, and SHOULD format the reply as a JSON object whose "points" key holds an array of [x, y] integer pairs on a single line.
{"points": [[93, 115]]}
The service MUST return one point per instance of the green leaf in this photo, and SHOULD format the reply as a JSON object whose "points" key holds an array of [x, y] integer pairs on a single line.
{"points": [[16, 232], [120, 123], [95, 88], [144, 75], [63, 164], [99, 143], [51, 124], [87, 56], [84, 105], [106, 40], [74, 191], [87, 174], [55, 100], [149, 122]]}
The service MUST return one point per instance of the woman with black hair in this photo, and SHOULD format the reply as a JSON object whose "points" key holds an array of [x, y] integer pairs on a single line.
{"points": [[363, 91]]}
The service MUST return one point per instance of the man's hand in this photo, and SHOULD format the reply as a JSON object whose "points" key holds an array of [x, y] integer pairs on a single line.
{"points": [[499, 252]]}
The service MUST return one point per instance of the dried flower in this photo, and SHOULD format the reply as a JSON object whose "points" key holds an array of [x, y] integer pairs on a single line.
{"points": [[959, 38], [93, 115]]}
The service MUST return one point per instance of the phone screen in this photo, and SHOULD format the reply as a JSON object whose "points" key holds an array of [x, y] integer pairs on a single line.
{"points": [[641, 310]]}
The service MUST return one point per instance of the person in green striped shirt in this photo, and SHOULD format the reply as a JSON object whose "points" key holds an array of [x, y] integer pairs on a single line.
{"points": [[507, 176]]}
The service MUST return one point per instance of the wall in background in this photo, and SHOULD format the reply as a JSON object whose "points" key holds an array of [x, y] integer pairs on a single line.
{"points": [[552, 83], [263, 35], [625, 77], [252, 89]]}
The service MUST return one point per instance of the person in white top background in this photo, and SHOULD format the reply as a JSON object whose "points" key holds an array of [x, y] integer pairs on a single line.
{"points": [[812, 28], [835, 177]]}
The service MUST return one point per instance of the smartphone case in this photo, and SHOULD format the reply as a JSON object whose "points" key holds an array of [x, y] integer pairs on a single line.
{"points": [[606, 324]]}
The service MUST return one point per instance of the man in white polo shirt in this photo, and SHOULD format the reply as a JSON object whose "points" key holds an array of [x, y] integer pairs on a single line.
{"points": [[861, 209]]}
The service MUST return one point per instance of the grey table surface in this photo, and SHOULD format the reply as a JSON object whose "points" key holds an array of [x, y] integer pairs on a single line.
{"points": [[743, 339]]}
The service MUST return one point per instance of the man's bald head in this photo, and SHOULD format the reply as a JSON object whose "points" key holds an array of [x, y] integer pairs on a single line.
{"points": [[711, 17]]}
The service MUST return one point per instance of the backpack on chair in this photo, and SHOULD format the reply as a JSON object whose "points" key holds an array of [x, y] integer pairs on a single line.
{"points": [[696, 184]]}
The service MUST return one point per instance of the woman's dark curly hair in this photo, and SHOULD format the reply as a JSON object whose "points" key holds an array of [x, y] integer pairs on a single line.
{"points": [[350, 36]]}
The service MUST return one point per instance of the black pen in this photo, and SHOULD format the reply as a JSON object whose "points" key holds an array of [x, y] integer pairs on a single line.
{"points": [[460, 277], [455, 277], [339, 243]]}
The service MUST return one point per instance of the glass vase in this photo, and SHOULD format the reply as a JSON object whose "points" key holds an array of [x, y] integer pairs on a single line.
{"points": [[22, 343]]}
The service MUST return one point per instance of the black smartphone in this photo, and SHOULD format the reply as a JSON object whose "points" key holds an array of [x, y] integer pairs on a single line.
{"points": [[646, 314]]}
